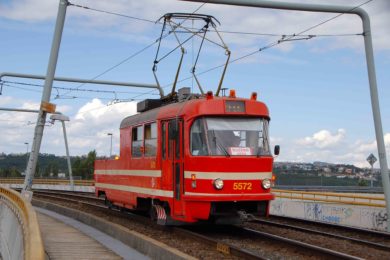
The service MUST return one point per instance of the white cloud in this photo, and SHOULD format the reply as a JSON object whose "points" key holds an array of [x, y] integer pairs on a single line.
{"points": [[4, 101], [322, 146], [87, 129], [323, 139], [29, 10]]}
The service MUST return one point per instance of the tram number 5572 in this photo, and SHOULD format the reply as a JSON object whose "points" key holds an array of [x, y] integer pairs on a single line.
{"points": [[242, 186]]}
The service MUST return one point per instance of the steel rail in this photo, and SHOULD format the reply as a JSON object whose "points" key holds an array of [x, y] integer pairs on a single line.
{"points": [[320, 250], [73, 200], [322, 233], [223, 247], [75, 196], [347, 228]]}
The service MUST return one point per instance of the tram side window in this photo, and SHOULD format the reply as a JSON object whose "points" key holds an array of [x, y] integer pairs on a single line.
{"points": [[163, 141], [137, 140], [198, 142], [150, 140]]}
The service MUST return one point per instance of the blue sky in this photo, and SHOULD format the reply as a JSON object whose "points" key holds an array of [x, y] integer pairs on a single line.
{"points": [[317, 90]]}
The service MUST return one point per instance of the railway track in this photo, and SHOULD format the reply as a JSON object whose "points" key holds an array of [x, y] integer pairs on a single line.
{"points": [[259, 244], [374, 239]]}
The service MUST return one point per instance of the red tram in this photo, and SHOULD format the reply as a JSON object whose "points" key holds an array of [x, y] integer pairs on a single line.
{"points": [[201, 159]]}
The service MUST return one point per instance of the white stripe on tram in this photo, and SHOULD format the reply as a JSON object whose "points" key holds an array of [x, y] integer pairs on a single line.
{"points": [[146, 173], [224, 194], [229, 175], [149, 191]]}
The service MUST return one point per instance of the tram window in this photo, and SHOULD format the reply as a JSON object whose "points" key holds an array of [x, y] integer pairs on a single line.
{"points": [[163, 141], [137, 141], [229, 136], [177, 149], [198, 142], [150, 140]]}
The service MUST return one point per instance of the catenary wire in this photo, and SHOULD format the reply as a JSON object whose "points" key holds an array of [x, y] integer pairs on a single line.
{"points": [[222, 31], [273, 44], [112, 13], [136, 53], [114, 100], [250, 54], [285, 36], [71, 89]]}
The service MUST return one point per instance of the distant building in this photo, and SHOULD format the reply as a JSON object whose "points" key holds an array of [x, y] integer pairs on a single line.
{"points": [[348, 171], [61, 175]]}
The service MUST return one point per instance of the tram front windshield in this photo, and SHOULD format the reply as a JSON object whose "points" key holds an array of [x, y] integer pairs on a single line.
{"points": [[229, 136]]}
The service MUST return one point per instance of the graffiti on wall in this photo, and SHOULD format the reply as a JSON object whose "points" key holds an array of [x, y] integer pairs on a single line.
{"points": [[359, 216], [380, 220], [327, 213]]}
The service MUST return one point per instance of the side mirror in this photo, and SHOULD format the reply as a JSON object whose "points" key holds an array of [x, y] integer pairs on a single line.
{"points": [[277, 150]]}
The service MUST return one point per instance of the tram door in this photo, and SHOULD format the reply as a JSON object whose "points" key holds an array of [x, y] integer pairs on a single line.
{"points": [[173, 161]]}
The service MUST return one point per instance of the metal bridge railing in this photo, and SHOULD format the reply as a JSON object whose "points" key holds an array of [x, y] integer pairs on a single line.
{"points": [[331, 197], [25, 217], [48, 181]]}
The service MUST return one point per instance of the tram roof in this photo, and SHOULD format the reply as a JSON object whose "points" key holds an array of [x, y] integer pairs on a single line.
{"points": [[194, 108]]}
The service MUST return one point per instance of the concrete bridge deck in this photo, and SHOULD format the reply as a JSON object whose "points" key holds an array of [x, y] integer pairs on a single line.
{"points": [[66, 238]]}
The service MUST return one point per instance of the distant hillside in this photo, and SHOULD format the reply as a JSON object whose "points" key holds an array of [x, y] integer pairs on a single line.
{"points": [[49, 165], [19, 161]]}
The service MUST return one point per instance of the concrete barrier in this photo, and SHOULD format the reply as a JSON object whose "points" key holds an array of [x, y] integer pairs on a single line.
{"points": [[374, 218], [63, 187], [20, 237]]}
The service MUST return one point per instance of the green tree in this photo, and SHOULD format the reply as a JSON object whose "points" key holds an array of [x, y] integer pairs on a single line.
{"points": [[89, 164], [14, 173], [84, 166], [362, 182]]}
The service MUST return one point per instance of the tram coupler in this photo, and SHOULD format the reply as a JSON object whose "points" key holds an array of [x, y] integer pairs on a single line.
{"points": [[245, 216]]}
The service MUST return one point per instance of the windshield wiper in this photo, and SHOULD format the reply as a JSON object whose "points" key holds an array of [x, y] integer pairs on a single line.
{"points": [[219, 145], [259, 151]]}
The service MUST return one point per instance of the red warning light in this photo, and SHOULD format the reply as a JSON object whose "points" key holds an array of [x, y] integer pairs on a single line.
{"points": [[232, 93], [209, 95], [254, 96]]}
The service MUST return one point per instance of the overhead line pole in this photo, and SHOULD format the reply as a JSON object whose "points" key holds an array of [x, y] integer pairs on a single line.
{"points": [[46, 106], [51, 68], [370, 68]]}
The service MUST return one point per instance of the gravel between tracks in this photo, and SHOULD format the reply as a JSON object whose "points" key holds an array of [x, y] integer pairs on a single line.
{"points": [[269, 249]]}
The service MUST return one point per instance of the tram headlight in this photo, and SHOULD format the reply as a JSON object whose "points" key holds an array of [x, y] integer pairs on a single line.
{"points": [[218, 184], [266, 183]]}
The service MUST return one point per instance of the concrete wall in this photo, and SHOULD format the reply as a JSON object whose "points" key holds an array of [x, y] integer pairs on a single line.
{"points": [[51, 187], [374, 218], [11, 234]]}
